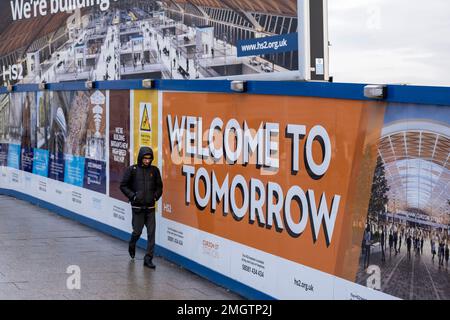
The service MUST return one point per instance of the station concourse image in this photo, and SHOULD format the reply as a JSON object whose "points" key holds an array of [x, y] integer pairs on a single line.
{"points": [[136, 39], [218, 150]]}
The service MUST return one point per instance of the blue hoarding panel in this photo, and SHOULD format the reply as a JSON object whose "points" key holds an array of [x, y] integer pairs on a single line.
{"points": [[26, 161], [40, 162], [74, 170], [3, 154], [56, 166], [14, 156], [95, 175]]}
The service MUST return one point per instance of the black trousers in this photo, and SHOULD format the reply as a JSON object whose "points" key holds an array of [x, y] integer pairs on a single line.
{"points": [[141, 218], [367, 256]]}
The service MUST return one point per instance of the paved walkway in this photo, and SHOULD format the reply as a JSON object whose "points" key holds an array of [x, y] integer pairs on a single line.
{"points": [[37, 246], [417, 277]]}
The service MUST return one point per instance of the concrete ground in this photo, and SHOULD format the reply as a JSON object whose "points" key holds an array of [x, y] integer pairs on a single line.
{"points": [[37, 247]]}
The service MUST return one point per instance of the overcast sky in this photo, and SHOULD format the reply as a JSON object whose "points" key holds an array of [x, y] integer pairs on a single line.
{"points": [[390, 41]]}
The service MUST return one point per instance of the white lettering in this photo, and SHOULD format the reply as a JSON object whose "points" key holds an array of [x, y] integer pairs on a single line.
{"points": [[217, 153], [239, 213], [202, 173], [233, 156], [297, 132], [16, 9], [21, 9], [321, 134], [176, 132], [253, 144], [220, 192], [296, 228], [189, 172], [201, 151], [256, 205], [273, 209], [190, 137], [323, 214], [272, 130]]}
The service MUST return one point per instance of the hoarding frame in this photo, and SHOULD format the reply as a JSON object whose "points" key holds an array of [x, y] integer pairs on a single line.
{"points": [[354, 91], [402, 94]]}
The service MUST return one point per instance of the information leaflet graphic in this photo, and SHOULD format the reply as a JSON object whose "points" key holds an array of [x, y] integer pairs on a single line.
{"points": [[74, 170], [26, 160], [95, 175], [41, 162], [56, 166], [95, 170], [3, 154], [14, 156]]}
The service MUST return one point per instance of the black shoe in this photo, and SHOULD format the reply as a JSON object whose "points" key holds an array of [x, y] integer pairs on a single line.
{"points": [[148, 262], [132, 251]]}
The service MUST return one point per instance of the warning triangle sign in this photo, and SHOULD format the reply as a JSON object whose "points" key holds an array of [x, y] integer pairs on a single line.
{"points": [[145, 122]]}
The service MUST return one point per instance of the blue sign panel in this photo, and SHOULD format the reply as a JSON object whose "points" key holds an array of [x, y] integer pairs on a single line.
{"points": [[56, 166], [95, 176], [14, 156], [26, 161], [268, 45], [74, 170], [3, 154], [40, 162]]}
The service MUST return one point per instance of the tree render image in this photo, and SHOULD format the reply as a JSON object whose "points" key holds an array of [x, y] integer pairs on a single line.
{"points": [[380, 188]]}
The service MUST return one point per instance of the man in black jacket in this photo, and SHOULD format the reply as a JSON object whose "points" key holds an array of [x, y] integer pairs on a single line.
{"points": [[142, 185]]}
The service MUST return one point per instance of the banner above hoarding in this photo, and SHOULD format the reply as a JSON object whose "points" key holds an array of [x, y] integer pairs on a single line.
{"points": [[112, 40]]}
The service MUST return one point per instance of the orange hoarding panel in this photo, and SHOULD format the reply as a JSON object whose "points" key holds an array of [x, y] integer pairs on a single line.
{"points": [[274, 173]]}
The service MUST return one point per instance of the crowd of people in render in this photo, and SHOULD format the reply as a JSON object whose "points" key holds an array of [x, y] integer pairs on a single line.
{"points": [[391, 236]]}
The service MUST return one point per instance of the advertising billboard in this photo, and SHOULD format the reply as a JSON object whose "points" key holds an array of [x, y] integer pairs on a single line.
{"points": [[280, 182], [58, 41]]}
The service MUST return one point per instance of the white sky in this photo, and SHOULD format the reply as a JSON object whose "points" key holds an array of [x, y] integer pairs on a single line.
{"points": [[390, 41]]}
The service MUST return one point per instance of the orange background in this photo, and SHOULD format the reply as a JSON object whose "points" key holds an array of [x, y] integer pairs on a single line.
{"points": [[353, 127]]}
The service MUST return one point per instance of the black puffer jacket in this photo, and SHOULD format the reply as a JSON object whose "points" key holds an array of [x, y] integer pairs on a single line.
{"points": [[142, 185]]}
